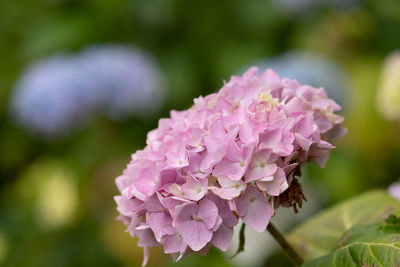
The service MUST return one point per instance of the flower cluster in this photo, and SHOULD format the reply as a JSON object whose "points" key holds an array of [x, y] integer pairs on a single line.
{"points": [[128, 79], [51, 97], [230, 156], [58, 94]]}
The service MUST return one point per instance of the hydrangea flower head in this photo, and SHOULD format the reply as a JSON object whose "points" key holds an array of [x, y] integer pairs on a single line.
{"points": [[53, 97], [61, 93], [128, 79], [231, 156]]}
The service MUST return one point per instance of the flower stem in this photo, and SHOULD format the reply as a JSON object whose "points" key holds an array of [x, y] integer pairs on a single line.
{"points": [[286, 247]]}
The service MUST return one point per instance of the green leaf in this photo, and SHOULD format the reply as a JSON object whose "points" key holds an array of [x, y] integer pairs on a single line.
{"points": [[365, 245], [241, 241], [391, 225], [319, 235]]}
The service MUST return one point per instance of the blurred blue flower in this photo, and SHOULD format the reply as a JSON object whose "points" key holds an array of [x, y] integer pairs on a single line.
{"points": [[128, 78], [305, 5], [56, 95], [52, 97], [310, 68]]}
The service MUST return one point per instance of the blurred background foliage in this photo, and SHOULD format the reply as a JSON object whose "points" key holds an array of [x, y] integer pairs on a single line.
{"points": [[56, 205]]}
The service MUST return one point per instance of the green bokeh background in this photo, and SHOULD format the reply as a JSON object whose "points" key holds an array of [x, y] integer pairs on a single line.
{"points": [[198, 44]]}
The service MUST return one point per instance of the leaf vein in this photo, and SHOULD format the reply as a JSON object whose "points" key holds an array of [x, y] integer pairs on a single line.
{"points": [[351, 256], [370, 244], [373, 255]]}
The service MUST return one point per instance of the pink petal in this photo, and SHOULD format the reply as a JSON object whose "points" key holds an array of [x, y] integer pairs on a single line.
{"points": [[259, 172], [122, 182], [225, 212], [227, 193], [168, 176], [335, 133], [271, 137], [194, 189], [185, 212], [265, 155], [271, 77], [228, 169], [195, 234], [233, 153], [303, 142], [169, 203], [254, 209], [175, 190], [147, 181], [152, 204], [324, 124], [160, 223], [304, 126], [146, 238], [215, 147], [217, 224], [133, 192], [258, 215], [229, 189], [178, 158], [208, 213], [275, 187], [195, 163], [127, 206], [222, 237], [319, 152], [246, 133], [296, 106], [174, 243], [290, 168], [217, 130]]}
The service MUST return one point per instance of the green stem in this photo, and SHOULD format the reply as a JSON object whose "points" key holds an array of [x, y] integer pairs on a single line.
{"points": [[286, 247]]}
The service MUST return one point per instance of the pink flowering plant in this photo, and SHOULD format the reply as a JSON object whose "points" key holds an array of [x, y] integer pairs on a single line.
{"points": [[234, 155]]}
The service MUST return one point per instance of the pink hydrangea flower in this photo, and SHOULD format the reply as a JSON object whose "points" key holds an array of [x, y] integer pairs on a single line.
{"points": [[229, 157]]}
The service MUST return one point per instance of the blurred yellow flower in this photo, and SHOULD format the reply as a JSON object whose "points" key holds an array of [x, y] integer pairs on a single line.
{"points": [[57, 201], [49, 185], [388, 97]]}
